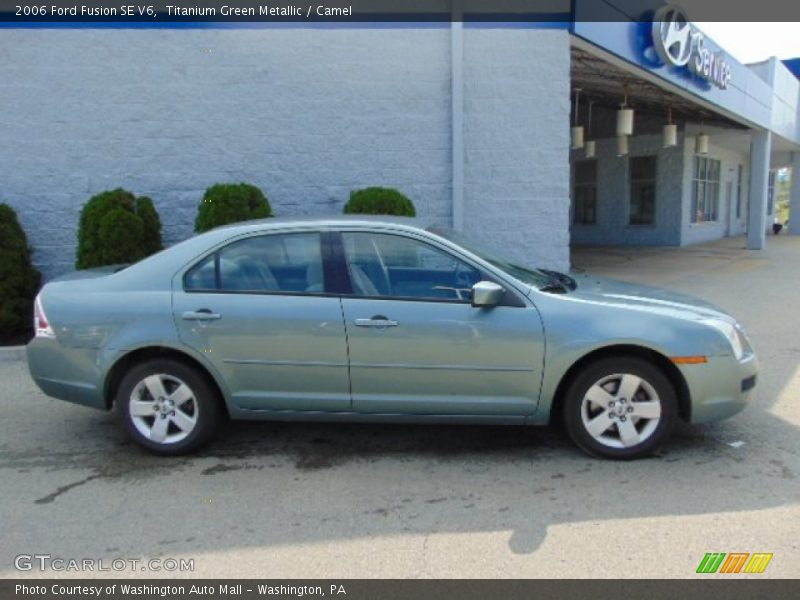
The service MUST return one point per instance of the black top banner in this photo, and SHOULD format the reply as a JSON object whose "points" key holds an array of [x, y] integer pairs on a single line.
{"points": [[160, 13]]}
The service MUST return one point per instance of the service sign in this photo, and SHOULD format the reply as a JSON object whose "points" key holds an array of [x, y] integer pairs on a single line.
{"points": [[680, 44]]}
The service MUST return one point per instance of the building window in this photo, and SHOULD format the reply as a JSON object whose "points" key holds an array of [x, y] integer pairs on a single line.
{"points": [[585, 193], [705, 190], [739, 193], [771, 193], [643, 190]]}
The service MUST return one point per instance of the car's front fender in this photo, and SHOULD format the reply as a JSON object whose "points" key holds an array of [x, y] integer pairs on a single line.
{"points": [[576, 328]]}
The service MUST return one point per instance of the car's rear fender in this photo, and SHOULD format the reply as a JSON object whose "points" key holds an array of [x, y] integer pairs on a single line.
{"points": [[121, 362]]}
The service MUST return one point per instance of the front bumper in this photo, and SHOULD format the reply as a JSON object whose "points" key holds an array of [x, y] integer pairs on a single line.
{"points": [[720, 388]]}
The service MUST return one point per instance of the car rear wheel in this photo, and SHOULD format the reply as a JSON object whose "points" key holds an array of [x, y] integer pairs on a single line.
{"points": [[620, 407], [168, 407]]}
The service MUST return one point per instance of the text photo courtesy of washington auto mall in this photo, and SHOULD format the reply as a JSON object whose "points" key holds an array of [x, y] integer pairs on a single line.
{"points": [[389, 299]]}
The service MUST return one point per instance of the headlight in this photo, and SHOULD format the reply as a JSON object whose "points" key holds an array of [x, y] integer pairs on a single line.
{"points": [[731, 333]]}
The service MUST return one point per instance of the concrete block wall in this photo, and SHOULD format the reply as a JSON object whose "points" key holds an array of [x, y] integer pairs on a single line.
{"points": [[307, 115], [613, 196], [516, 132]]}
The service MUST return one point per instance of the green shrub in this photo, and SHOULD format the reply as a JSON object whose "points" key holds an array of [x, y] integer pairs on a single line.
{"points": [[230, 203], [137, 234], [19, 280], [379, 201], [151, 236], [121, 235]]}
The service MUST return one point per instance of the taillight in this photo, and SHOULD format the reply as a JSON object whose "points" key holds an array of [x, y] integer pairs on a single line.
{"points": [[40, 324]]}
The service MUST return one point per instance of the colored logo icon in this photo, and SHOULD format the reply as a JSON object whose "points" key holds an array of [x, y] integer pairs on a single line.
{"points": [[734, 562]]}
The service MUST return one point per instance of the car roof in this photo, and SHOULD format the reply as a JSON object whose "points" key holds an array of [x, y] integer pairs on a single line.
{"points": [[322, 222], [179, 255]]}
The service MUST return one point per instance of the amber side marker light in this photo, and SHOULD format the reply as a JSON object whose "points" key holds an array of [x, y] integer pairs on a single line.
{"points": [[689, 360]]}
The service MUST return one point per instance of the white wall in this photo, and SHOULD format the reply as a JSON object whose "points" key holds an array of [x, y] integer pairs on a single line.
{"points": [[727, 224]]}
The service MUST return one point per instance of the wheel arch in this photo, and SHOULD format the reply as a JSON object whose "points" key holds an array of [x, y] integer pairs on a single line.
{"points": [[139, 355], [669, 369]]}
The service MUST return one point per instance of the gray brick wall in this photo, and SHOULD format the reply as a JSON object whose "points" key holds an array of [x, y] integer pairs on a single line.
{"points": [[613, 195], [516, 130], [308, 115]]}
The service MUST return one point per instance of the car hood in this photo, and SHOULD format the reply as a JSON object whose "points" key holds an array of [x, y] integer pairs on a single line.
{"points": [[643, 297]]}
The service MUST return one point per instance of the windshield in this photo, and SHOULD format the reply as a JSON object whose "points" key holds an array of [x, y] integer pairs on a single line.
{"points": [[525, 274]]}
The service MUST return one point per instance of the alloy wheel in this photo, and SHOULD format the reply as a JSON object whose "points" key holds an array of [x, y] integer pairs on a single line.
{"points": [[163, 409], [621, 410]]}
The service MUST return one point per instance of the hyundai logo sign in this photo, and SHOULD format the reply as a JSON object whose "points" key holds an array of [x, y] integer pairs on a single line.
{"points": [[681, 44]]}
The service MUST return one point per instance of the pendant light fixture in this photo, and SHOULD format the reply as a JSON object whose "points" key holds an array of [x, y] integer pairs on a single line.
{"points": [[670, 131], [590, 144], [577, 131], [625, 117], [701, 144], [622, 145]]}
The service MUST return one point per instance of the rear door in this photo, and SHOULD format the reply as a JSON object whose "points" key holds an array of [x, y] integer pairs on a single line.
{"points": [[258, 309]]}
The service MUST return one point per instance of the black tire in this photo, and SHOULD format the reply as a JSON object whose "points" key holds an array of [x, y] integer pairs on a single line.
{"points": [[205, 406], [607, 369]]}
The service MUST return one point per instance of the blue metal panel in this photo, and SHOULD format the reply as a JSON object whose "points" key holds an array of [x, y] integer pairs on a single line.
{"points": [[630, 38], [793, 64]]}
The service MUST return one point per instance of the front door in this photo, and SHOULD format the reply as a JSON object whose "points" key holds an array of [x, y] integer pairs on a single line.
{"points": [[257, 309], [418, 346]]}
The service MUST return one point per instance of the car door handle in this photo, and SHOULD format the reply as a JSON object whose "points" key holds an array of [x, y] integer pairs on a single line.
{"points": [[378, 321], [203, 314]]}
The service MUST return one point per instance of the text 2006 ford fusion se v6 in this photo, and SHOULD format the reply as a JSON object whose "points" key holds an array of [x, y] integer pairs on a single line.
{"points": [[378, 320]]}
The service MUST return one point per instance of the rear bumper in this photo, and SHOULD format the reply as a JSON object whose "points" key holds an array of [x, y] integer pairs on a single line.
{"points": [[721, 387], [70, 374]]}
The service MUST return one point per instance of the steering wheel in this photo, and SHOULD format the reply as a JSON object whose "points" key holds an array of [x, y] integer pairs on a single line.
{"points": [[462, 284], [461, 277]]}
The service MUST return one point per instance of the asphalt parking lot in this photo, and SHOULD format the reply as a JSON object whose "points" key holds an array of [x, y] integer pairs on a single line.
{"points": [[332, 500]]}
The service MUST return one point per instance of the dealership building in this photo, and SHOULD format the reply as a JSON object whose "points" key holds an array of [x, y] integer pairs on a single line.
{"points": [[533, 137]]}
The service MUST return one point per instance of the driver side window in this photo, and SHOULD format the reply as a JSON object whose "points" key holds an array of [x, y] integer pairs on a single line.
{"points": [[393, 266]]}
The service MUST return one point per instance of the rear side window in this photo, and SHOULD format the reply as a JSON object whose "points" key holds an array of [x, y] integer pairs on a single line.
{"points": [[269, 263]]}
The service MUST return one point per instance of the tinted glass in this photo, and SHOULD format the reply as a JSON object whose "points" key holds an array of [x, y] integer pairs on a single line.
{"points": [[585, 192], [643, 190], [202, 276], [643, 167], [384, 265], [269, 263], [586, 171], [523, 272]]}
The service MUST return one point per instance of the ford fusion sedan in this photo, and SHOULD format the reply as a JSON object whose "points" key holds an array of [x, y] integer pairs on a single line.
{"points": [[361, 319]]}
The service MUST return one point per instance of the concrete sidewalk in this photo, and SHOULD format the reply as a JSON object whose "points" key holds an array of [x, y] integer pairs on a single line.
{"points": [[662, 265]]}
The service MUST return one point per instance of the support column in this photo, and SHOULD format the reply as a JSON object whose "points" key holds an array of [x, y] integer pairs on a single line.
{"points": [[759, 180], [457, 123], [794, 202]]}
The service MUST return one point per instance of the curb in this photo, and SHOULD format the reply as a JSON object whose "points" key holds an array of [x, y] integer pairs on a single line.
{"points": [[12, 353]]}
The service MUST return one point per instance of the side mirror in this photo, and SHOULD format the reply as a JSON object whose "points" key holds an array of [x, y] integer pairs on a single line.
{"points": [[487, 294]]}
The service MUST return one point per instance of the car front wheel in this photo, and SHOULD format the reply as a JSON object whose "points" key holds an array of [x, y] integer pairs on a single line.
{"points": [[620, 407], [168, 407]]}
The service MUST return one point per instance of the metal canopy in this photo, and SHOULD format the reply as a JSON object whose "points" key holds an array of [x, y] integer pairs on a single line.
{"points": [[604, 84]]}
